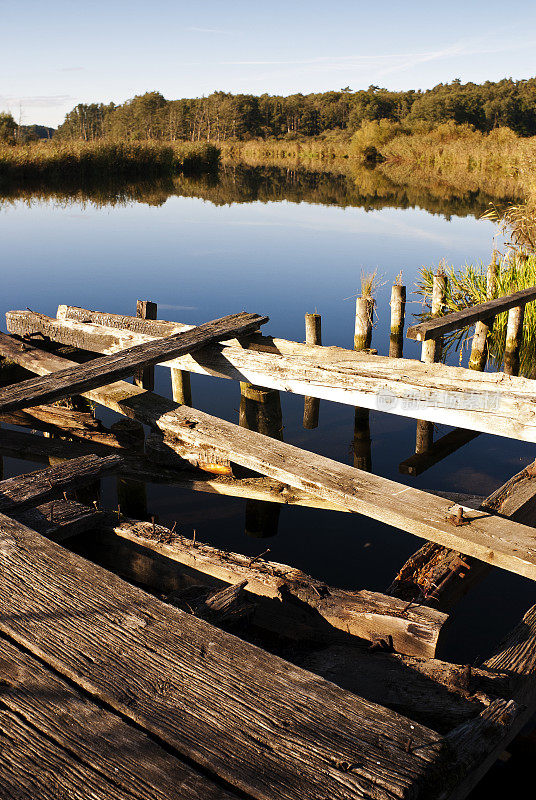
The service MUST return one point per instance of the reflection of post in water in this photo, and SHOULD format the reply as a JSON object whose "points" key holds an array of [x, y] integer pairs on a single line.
{"points": [[398, 310], [364, 312], [131, 494], [431, 353], [260, 410], [311, 405]]}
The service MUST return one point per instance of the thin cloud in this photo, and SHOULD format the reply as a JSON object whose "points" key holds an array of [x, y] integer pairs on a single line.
{"points": [[37, 101], [71, 69]]}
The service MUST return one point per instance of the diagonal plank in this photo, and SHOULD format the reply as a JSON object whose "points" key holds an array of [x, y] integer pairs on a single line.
{"points": [[100, 371], [61, 744], [494, 403], [265, 726], [433, 328], [27, 490], [489, 538]]}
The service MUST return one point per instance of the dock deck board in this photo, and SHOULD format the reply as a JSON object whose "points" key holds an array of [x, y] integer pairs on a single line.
{"points": [[266, 727], [489, 538]]}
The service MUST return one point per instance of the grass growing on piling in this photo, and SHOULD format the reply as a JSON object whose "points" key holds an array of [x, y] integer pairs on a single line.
{"points": [[81, 161]]}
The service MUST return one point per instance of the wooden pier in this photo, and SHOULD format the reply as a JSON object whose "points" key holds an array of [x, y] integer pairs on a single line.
{"points": [[229, 677]]}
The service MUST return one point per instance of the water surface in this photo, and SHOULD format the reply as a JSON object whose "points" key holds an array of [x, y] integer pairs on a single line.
{"points": [[281, 243]]}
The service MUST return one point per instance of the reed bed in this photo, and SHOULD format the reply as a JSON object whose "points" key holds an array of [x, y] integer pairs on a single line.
{"points": [[466, 287], [64, 161]]}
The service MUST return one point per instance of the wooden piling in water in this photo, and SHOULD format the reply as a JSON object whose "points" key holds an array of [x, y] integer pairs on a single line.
{"points": [[131, 494], [398, 310], [144, 377], [311, 405], [514, 339], [361, 444], [479, 350], [430, 353], [364, 314], [260, 411]]}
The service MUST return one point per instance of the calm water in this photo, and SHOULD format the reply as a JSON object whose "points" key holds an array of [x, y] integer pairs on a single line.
{"points": [[282, 244]]}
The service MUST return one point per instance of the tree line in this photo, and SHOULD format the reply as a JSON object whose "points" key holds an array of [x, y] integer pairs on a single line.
{"points": [[223, 116]]}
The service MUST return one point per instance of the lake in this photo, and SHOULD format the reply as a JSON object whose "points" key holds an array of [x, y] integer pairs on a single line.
{"points": [[281, 243]]}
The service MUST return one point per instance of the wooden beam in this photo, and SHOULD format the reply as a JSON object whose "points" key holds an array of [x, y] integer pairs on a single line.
{"points": [[489, 538], [274, 730], [44, 484], [487, 402], [439, 575], [58, 743], [433, 328], [59, 519], [101, 371], [448, 444], [324, 611]]}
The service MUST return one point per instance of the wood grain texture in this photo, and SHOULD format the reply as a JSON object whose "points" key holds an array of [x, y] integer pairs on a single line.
{"points": [[433, 328], [369, 615], [101, 371], [265, 726], [27, 490], [59, 519], [489, 538], [59, 744], [488, 402]]}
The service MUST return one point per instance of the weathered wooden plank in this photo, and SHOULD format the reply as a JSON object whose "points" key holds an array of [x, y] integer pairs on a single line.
{"points": [[104, 370], [475, 745], [487, 402], [448, 444], [16, 444], [433, 328], [59, 519], [265, 726], [57, 743], [369, 615], [489, 538], [35, 487], [439, 575]]}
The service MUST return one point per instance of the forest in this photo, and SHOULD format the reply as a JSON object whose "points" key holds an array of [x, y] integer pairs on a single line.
{"points": [[222, 116]]}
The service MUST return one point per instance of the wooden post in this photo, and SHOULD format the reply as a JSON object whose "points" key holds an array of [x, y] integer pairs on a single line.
{"points": [[181, 387], [361, 445], [431, 352], [260, 410], [479, 350], [398, 310], [364, 314], [313, 335], [144, 377], [131, 494], [514, 339]]}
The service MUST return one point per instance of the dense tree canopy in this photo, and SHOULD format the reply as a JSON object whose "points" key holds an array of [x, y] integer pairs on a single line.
{"points": [[222, 116]]}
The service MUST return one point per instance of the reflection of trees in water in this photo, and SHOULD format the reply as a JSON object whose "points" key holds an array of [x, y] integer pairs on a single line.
{"points": [[345, 186]]}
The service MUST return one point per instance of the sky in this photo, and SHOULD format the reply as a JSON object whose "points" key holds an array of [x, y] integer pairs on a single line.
{"points": [[59, 53]]}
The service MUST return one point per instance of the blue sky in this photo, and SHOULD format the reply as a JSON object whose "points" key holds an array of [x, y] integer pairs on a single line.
{"points": [[56, 54]]}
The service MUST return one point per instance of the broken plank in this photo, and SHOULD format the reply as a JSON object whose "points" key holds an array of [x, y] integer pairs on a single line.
{"points": [[100, 371], [443, 447], [369, 615], [439, 575], [27, 490], [266, 727], [476, 745], [433, 328], [487, 402], [491, 539], [59, 519], [60, 744]]}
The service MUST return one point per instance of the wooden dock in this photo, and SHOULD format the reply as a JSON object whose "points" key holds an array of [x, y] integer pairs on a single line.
{"points": [[225, 676]]}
